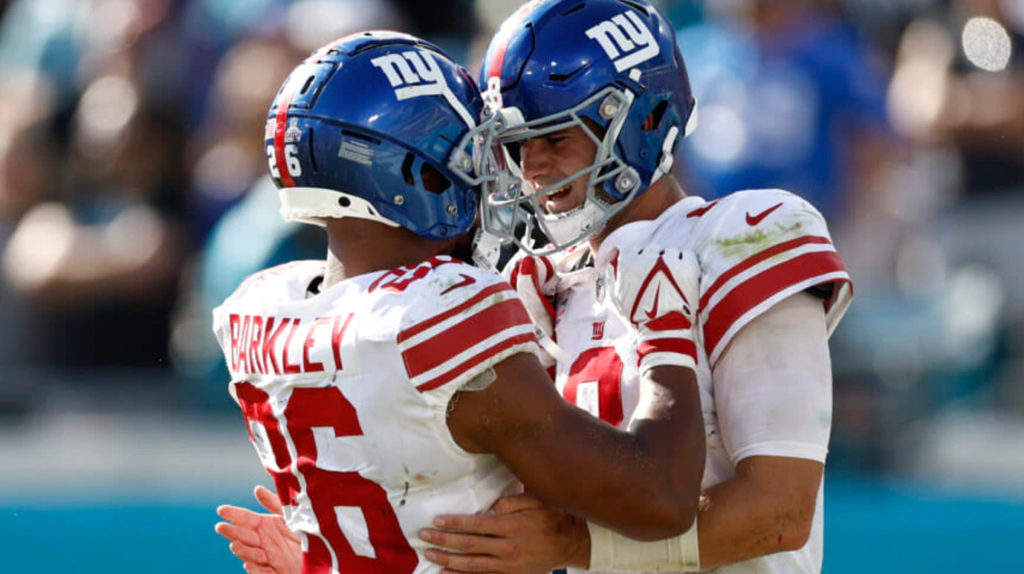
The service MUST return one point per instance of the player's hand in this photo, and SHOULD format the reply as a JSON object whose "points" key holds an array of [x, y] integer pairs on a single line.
{"points": [[657, 290], [262, 542], [519, 536], [536, 282]]}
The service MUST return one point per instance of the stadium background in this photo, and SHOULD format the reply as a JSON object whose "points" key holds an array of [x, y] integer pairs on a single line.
{"points": [[133, 198]]}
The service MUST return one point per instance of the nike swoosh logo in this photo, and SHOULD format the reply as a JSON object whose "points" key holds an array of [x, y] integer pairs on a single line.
{"points": [[653, 311], [466, 280], [753, 220]]}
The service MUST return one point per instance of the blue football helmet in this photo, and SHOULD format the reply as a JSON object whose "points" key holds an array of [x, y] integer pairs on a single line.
{"points": [[611, 67], [379, 126]]}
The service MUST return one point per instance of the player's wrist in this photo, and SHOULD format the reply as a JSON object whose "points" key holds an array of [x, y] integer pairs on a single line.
{"points": [[611, 551]]}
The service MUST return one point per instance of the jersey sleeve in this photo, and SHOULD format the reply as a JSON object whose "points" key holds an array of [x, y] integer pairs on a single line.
{"points": [[756, 249], [773, 388], [469, 321]]}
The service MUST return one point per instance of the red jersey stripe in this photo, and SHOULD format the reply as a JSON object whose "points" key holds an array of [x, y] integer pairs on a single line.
{"points": [[669, 321], [423, 326], [757, 258], [472, 330], [681, 346], [480, 357], [763, 286]]}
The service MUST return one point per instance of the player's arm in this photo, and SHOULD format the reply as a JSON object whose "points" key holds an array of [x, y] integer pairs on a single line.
{"points": [[773, 395], [778, 374], [644, 483]]}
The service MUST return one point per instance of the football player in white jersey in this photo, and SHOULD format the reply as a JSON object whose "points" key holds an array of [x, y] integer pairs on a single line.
{"points": [[593, 99], [392, 381]]}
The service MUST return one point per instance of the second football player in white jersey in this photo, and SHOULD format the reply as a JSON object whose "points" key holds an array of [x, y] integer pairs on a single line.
{"points": [[594, 97]]}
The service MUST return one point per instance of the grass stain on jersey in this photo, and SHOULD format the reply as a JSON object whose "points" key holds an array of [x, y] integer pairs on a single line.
{"points": [[740, 247]]}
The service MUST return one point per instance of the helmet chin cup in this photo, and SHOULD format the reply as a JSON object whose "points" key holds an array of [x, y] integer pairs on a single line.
{"points": [[513, 209], [575, 226]]}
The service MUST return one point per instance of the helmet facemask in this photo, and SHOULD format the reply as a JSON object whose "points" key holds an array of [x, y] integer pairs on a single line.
{"points": [[511, 204], [480, 161]]}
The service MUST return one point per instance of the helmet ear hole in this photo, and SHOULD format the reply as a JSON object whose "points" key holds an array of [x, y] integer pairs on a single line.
{"points": [[433, 180], [653, 120]]}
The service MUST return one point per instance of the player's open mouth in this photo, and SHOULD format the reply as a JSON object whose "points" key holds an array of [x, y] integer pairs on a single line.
{"points": [[559, 200]]}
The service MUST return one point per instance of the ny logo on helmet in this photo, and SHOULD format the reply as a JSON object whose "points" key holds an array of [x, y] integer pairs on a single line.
{"points": [[412, 74], [625, 35]]}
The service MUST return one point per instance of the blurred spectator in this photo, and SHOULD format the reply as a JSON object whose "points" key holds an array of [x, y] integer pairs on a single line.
{"points": [[99, 258], [959, 87], [100, 266], [790, 96], [40, 38], [28, 158], [961, 82]]}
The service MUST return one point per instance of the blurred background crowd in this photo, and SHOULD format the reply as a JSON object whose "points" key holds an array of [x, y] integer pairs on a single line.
{"points": [[134, 197]]}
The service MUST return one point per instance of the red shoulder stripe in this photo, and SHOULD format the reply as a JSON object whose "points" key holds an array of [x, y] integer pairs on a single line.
{"points": [[472, 330], [476, 360], [762, 287], [757, 258], [423, 326]]}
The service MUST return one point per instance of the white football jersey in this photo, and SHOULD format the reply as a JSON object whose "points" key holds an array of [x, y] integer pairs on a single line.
{"points": [[756, 248], [346, 392]]}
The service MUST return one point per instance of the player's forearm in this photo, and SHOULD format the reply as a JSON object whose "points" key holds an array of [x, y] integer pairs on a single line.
{"points": [[670, 428], [667, 448], [628, 482], [619, 481], [747, 517]]}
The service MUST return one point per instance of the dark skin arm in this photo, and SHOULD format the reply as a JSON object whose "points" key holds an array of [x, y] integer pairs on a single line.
{"points": [[644, 484]]}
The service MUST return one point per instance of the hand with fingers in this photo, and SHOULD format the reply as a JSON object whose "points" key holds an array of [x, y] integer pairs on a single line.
{"points": [[262, 542], [536, 282], [520, 535], [657, 290]]}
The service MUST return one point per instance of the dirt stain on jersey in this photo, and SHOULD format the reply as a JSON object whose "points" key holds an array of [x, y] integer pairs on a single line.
{"points": [[744, 245]]}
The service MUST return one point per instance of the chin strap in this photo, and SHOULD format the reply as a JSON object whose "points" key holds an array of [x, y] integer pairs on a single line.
{"points": [[486, 250]]}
